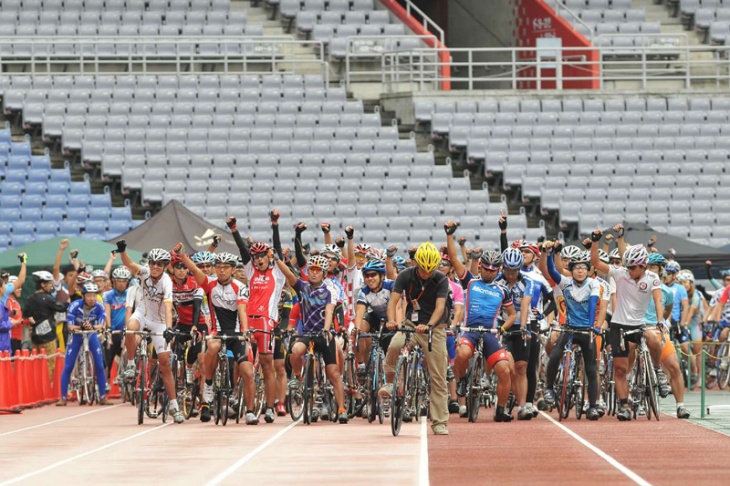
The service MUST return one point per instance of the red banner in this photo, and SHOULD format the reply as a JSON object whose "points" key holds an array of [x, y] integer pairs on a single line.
{"points": [[534, 19]]}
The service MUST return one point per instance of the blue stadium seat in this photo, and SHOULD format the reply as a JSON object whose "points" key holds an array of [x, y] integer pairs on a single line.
{"points": [[39, 175], [98, 214], [31, 214], [95, 227], [53, 214], [61, 175], [47, 227], [93, 235], [76, 200], [123, 213], [58, 187], [33, 201], [20, 162], [59, 201], [19, 240], [40, 162], [70, 228], [24, 228], [9, 202], [77, 214], [5, 136], [21, 148], [40, 236], [10, 215], [16, 175], [101, 201], [117, 228]]}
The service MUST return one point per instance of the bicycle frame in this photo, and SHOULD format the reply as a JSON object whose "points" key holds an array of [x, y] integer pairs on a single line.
{"points": [[223, 380], [573, 382], [644, 385], [475, 388]]}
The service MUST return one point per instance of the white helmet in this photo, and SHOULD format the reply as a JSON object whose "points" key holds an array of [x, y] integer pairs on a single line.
{"points": [[570, 252], [603, 256], [635, 255], [89, 287], [99, 273], [43, 276], [159, 255], [121, 273], [226, 259], [686, 276], [334, 249], [614, 254]]}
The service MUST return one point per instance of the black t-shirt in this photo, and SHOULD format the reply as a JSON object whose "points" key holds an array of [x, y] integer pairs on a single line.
{"points": [[42, 307], [425, 292]]}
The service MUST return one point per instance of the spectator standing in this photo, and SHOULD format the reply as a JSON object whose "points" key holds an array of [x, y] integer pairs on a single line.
{"points": [[42, 308]]}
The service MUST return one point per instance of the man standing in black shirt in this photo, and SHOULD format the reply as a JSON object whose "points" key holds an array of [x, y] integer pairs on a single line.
{"points": [[425, 291], [42, 308]]}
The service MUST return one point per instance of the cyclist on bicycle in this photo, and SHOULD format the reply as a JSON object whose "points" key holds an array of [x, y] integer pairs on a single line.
{"points": [[372, 306], [317, 304], [228, 300], [425, 291], [680, 309], [691, 327], [115, 309], [86, 314], [266, 282], [656, 264], [485, 300], [582, 295], [187, 298], [636, 289], [153, 313], [522, 290]]}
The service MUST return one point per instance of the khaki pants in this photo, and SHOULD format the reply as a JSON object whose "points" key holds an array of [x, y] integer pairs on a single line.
{"points": [[49, 348], [437, 361]]}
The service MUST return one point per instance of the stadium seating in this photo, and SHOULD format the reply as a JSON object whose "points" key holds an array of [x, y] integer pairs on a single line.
{"points": [[655, 160]]}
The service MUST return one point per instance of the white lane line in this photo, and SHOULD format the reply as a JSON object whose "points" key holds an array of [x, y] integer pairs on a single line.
{"points": [[101, 409], [250, 455], [423, 463], [623, 469], [80, 456]]}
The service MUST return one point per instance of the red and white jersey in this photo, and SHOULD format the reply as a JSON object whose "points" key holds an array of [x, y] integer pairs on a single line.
{"points": [[224, 300], [265, 291], [183, 296]]}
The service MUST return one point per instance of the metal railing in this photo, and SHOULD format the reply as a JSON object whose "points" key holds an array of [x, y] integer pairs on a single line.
{"points": [[424, 19], [366, 55], [192, 55], [648, 65], [562, 10]]}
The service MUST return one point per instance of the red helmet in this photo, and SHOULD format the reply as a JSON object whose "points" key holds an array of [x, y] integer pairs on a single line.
{"points": [[532, 247], [175, 259], [445, 257], [518, 243], [259, 247]]}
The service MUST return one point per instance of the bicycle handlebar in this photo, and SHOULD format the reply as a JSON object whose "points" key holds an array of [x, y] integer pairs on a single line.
{"points": [[225, 337]]}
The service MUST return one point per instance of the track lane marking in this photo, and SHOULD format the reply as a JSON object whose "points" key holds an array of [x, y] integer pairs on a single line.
{"points": [[79, 456], [623, 469], [231, 469], [11, 432], [423, 462]]}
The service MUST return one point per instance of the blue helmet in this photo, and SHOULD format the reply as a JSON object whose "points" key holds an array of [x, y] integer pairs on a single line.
{"points": [[657, 259], [673, 267], [203, 257], [399, 262], [374, 266], [512, 258]]}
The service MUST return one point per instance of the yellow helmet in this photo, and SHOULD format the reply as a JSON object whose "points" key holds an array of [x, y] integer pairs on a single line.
{"points": [[427, 257]]}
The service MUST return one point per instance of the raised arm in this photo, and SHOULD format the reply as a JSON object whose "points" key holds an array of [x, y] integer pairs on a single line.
{"points": [[327, 235], [708, 269], [350, 234], [59, 256], [552, 271], [275, 237], [290, 277], [595, 260], [242, 248], [197, 273], [459, 268], [23, 270], [126, 260], [620, 241], [502, 230], [390, 271], [299, 258], [110, 262]]}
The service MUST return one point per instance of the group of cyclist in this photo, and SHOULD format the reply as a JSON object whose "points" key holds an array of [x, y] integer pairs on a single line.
{"points": [[272, 302]]}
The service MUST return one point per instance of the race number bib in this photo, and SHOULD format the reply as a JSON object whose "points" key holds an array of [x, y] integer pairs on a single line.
{"points": [[43, 328]]}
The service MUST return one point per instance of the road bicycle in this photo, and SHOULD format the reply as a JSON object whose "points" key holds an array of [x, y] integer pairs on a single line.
{"points": [[223, 379], [83, 380], [410, 385], [150, 394], [643, 388], [375, 375], [571, 381], [480, 390]]}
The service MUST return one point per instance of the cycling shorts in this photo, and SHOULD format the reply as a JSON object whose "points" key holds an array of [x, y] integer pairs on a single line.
{"points": [[279, 351], [614, 339], [198, 347], [493, 350], [263, 340], [239, 350], [519, 347], [146, 324], [668, 348], [329, 354]]}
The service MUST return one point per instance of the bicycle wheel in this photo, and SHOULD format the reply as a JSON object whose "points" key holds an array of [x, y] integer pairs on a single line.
{"points": [[578, 387], [308, 393], [565, 392], [295, 403], [638, 388], [379, 383], [371, 397], [399, 398], [94, 391], [260, 399], [350, 385], [652, 389], [239, 400], [723, 366], [414, 389], [475, 388], [141, 390], [84, 379]]}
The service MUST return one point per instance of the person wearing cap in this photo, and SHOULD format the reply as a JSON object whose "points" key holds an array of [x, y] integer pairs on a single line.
{"points": [[101, 280], [42, 308], [16, 317]]}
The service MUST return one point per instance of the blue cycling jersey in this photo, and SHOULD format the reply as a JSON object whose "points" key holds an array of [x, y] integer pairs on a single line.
{"points": [[680, 294], [376, 301], [667, 300], [581, 299], [78, 313], [524, 286], [117, 303], [484, 302]]}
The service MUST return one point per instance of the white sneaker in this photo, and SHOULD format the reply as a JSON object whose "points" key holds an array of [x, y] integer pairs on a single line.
{"points": [[177, 416], [208, 393], [462, 411], [131, 372], [189, 376], [386, 391], [251, 418]]}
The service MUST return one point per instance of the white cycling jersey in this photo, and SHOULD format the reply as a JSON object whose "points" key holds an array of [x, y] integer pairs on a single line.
{"points": [[153, 294], [632, 297]]}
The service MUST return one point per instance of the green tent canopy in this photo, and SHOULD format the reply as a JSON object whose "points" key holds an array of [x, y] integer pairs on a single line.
{"points": [[42, 254]]}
